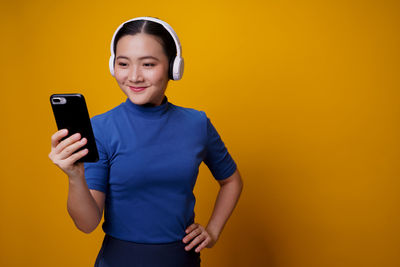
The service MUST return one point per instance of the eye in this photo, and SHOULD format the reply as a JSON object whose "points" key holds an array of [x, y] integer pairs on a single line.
{"points": [[122, 64], [149, 64]]}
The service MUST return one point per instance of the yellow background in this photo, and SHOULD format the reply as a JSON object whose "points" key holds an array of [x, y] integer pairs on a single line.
{"points": [[305, 95]]}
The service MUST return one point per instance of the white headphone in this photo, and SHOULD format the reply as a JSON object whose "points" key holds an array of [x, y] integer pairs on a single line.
{"points": [[176, 65]]}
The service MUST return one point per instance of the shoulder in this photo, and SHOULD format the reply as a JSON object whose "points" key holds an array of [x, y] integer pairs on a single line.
{"points": [[190, 121], [188, 113]]}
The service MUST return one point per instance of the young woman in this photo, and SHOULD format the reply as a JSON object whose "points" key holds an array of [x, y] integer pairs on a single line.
{"points": [[150, 151]]}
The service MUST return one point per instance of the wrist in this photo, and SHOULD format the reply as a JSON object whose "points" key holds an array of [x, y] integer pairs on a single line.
{"points": [[75, 178], [214, 233]]}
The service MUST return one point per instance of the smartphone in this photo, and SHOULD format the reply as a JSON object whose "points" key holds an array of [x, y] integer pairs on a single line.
{"points": [[70, 112]]}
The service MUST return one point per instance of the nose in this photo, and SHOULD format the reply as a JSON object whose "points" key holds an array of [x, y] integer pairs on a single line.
{"points": [[135, 74]]}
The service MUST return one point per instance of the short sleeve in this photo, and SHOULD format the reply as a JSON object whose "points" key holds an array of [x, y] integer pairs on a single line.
{"points": [[217, 157], [97, 173]]}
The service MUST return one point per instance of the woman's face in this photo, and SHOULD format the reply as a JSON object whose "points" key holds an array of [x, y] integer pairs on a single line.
{"points": [[141, 68]]}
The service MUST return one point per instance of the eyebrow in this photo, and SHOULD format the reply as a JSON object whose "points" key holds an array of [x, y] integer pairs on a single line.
{"points": [[141, 58]]}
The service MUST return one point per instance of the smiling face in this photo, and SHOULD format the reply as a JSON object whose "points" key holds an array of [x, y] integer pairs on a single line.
{"points": [[141, 68]]}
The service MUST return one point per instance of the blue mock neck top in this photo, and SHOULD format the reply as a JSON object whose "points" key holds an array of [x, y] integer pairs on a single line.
{"points": [[149, 162], [148, 111]]}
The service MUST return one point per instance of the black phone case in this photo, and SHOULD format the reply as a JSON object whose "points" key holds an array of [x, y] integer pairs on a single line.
{"points": [[74, 116]]}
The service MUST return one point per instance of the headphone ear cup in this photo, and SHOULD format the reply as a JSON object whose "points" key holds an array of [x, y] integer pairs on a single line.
{"points": [[111, 64], [177, 68]]}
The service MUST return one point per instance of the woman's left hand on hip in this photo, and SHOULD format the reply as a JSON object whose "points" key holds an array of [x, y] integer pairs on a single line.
{"points": [[198, 236]]}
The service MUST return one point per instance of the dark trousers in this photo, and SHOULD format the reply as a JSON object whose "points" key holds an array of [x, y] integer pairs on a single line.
{"points": [[119, 253]]}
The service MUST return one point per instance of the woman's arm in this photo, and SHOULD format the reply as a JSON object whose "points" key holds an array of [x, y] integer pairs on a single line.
{"points": [[225, 203], [84, 206], [227, 199]]}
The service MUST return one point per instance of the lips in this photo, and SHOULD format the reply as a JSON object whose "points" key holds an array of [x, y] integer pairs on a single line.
{"points": [[137, 89]]}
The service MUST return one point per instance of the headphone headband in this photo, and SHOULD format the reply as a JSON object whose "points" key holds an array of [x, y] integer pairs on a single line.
{"points": [[176, 68]]}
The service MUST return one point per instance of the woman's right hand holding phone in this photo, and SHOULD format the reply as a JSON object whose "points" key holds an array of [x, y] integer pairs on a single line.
{"points": [[63, 152]]}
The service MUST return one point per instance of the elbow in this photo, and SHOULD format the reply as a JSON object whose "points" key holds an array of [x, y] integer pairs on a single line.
{"points": [[240, 184], [88, 226], [86, 229], [239, 179], [85, 226]]}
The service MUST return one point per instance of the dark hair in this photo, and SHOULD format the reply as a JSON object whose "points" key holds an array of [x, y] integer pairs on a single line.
{"points": [[149, 27]]}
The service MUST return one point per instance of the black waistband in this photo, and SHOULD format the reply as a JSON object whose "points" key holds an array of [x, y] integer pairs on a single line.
{"points": [[130, 243], [116, 252]]}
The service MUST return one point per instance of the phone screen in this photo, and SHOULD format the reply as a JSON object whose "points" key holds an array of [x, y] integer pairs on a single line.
{"points": [[70, 112]]}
